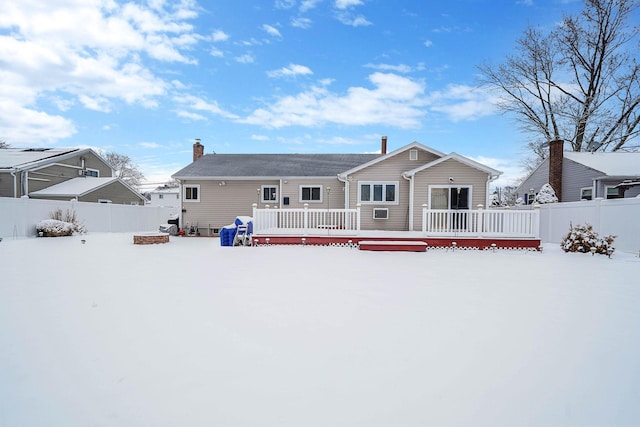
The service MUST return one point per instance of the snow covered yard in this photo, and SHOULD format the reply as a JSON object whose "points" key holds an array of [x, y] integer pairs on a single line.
{"points": [[189, 333]]}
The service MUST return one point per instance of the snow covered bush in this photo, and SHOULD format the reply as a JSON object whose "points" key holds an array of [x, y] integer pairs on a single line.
{"points": [[546, 195], [582, 238], [60, 224]]}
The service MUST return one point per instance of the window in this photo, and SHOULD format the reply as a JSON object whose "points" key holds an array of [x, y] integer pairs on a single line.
{"points": [[269, 193], [160, 196], [450, 197], [104, 201], [586, 193], [311, 193], [191, 193], [381, 213], [378, 192], [413, 154], [92, 172], [613, 193]]}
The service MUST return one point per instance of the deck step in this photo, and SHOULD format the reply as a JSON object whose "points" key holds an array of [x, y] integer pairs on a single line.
{"points": [[392, 245]]}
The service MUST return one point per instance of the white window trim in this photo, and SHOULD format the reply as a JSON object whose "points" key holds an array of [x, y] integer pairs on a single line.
{"points": [[376, 202], [413, 154], [262, 199], [93, 170], [184, 193], [470, 187], [606, 191], [301, 186], [586, 188]]}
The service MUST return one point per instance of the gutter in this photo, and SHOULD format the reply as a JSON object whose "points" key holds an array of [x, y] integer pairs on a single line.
{"points": [[344, 180]]}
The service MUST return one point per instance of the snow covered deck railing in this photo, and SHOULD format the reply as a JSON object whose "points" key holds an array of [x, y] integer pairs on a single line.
{"points": [[435, 222], [481, 223], [305, 221]]}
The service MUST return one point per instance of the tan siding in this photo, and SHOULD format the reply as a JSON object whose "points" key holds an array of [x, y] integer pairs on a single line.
{"points": [[439, 175], [220, 205], [116, 192], [333, 199], [6, 185], [390, 169]]}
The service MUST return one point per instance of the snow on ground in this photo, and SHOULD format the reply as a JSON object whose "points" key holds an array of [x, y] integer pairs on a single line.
{"points": [[189, 333]]}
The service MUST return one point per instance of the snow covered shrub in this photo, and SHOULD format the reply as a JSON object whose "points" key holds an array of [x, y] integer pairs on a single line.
{"points": [[546, 195], [60, 224], [582, 238]]}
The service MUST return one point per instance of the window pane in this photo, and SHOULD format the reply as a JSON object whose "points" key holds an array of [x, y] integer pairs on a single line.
{"points": [[194, 193], [391, 193], [306, 193], [377, 192], [315, 193], [365, 193], [586, 194], [439, 198]]}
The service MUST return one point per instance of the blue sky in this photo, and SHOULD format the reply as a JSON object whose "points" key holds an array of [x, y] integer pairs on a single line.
{"points": [[275, 76]]}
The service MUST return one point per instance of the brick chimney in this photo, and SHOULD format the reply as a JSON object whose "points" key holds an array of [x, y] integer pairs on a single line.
{"points": [[383, 148], [556, 154], [198, 150]]}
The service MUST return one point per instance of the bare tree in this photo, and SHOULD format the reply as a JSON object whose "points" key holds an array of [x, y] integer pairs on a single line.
{"points": [[579, 82], [125, 168], [4, 144]]}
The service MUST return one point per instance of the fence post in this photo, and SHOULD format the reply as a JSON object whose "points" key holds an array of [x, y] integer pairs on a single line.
{"points": [[358, 206], [480, 220], [305, 218], [424, 218], [256, 223], [536, 221]]}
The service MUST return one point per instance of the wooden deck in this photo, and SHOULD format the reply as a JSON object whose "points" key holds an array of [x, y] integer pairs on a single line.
{"points": [[485, 243]]}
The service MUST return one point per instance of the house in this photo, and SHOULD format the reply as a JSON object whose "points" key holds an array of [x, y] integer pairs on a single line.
{"points": [[62, 174], [165, 196], [390, 188], [576, 176]]}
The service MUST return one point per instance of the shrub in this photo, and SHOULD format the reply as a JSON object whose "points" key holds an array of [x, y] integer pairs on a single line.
{"points": [[60, 224], [582, 238]]}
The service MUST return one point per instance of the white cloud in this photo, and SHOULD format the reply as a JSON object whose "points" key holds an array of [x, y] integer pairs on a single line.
{"points": [[199, 104], [285, 4], [216, 53], [220, 36], [461, 102], [354, 21], [259, 137], [306, 5], [394, 101], [93, 51], [247, 58], [301, 22], [149, 145], [344, 4], [292, 70], [428, 43], [400, 68], [191, 116], [271, 30], [512, 169]]}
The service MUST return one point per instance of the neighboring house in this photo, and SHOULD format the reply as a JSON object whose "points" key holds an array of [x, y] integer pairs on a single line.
{"points": [[62, 174], [578, 176], [165, 196], [391, 188]]}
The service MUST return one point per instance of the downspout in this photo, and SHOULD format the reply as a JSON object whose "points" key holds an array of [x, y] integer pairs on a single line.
{"points": [[411, 192], [25, 183], [15, 183], [345, 180]]}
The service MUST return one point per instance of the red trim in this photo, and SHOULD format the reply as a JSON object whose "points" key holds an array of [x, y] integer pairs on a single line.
{"points": [[432, 242]]}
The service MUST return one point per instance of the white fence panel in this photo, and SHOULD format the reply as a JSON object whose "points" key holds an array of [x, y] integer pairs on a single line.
{"points": [[306, 221], [18, 217]]}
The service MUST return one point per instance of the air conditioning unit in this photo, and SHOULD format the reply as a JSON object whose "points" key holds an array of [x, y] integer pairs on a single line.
{"points": [[82, 172], [380, 213]]}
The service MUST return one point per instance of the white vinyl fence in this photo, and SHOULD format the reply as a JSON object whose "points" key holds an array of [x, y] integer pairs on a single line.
{"points": [[18, 217], [618, 217], [480, 223]]}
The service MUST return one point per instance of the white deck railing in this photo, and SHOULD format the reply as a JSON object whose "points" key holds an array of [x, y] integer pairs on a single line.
{"points": [[305, 221], [481, 223], [435, 222]]}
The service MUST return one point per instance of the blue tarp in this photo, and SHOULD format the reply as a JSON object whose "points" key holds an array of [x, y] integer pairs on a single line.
{"points": [[228, 233]]}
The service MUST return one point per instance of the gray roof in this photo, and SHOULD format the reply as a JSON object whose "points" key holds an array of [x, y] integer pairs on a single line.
{"points": [[272, 165]]}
